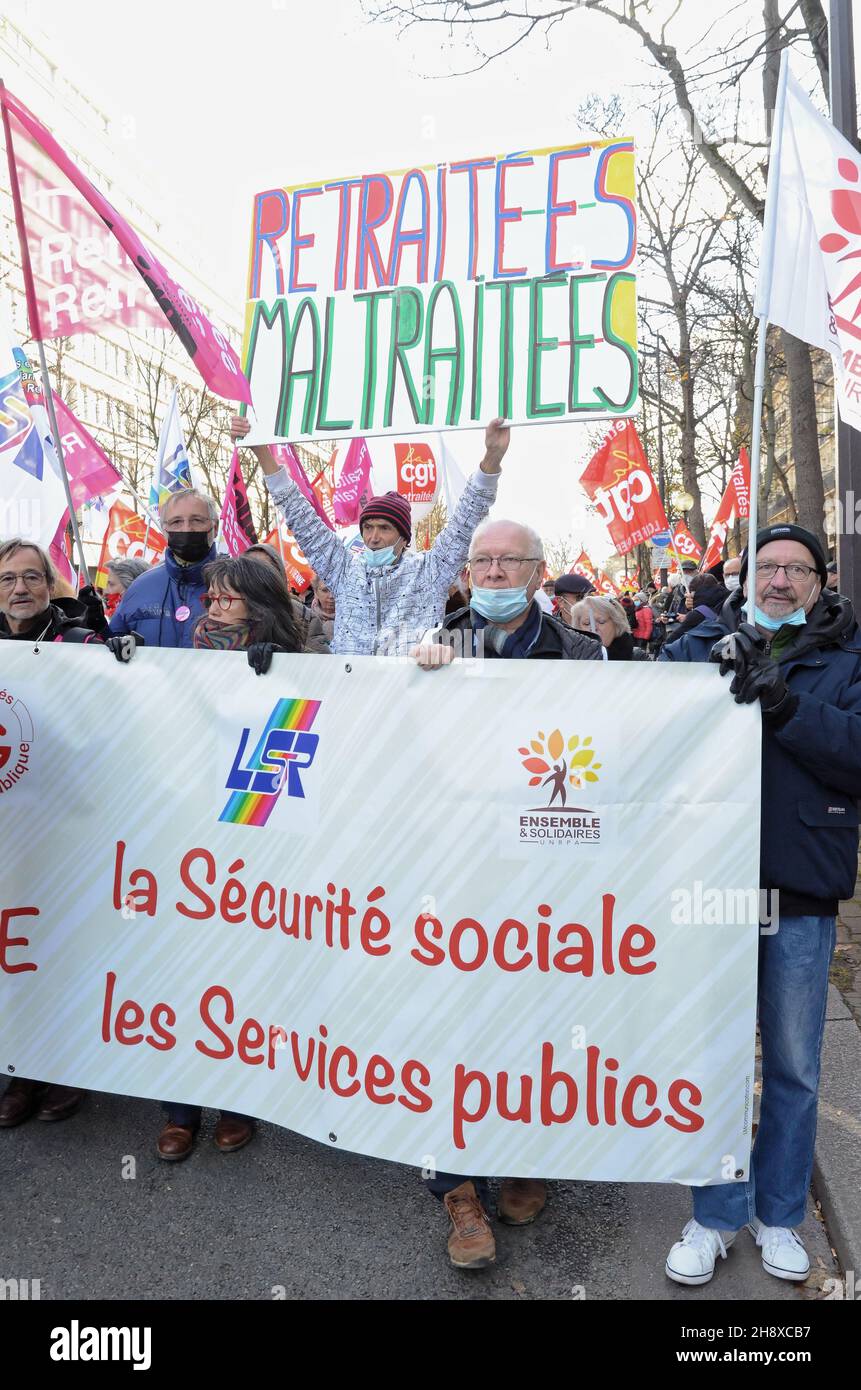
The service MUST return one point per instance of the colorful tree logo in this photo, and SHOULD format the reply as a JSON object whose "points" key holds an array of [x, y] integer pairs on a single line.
{"points": [[846, 211], [556, 764]]}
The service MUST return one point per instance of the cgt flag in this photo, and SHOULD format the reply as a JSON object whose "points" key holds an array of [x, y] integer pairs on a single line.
{"points": [[84, 266], [734, 503], [299, 572], [619, 481], [237, 524], [128, 538], [584, 567], [685, 545]]}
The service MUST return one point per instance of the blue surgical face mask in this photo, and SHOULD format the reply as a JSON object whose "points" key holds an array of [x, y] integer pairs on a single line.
{"points": [[375, 559], [796, 619], [499, 605]]}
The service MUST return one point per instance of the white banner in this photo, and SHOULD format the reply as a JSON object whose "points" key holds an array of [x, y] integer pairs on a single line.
{"points": [[468, 919]]}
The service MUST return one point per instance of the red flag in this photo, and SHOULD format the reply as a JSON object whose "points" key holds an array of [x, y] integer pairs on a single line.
{"points": [[619, 481], [286, 455], [741, 483], [299, 572], [686, 545], [605, 585], [584, 567], [85, 267], [90, 471], [325, 496], [721, 524], [237, 526], [124, 540], [353, 487], [59, 552]]}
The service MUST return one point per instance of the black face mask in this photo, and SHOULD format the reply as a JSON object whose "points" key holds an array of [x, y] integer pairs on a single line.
{"points": [[190, 546]]}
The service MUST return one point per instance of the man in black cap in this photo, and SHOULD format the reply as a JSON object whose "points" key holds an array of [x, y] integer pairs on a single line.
{"points": [[833, 577], [570, 588], [800, 657]]}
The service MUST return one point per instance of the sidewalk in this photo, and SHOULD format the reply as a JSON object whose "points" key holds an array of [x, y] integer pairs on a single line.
{"points": [[837, 1167]]}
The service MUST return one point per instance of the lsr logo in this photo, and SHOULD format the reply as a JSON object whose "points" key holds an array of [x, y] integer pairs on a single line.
{"points": [[284, 751], [416, 472]]}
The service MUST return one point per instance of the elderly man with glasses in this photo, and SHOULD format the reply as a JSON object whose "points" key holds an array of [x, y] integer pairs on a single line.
{"points": [[800, 658], [506, 565], [164, 604]]}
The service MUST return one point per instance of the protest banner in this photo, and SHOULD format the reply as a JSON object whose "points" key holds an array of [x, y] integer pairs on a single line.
{"points": [[489, 983], [237, 524], [438, 297]]}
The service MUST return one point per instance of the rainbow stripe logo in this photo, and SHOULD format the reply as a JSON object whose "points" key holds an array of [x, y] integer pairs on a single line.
{"points": [[284, 750]]}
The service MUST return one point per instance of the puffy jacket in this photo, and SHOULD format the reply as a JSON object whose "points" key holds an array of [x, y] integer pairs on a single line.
{"points": [[65, 620], [811, 765], [151, 601], [385, 610]]}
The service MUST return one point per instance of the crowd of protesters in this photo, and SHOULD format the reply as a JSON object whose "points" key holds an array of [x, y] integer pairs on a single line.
{"points": [[482, 590]]}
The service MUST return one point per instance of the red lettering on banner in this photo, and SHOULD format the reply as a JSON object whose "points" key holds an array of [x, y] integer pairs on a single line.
{"points": [[124, 1024], [7, 941]]}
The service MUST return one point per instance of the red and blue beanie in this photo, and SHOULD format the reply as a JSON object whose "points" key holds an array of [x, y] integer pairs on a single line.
{"points": [[390, 507]]}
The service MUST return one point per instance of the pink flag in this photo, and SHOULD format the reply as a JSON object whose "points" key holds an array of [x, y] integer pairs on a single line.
{"points": [[58, 553], [90, 471], [85, 267], [353, 486], [237, 526], [286, 456]]}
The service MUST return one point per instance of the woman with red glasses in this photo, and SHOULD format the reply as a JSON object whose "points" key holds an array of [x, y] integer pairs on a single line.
{"points": [[247, 609]]}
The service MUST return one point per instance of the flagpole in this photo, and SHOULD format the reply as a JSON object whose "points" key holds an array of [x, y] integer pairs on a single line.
{"points": [[35, 325], [162, 445], [763, 295], [58, 445]]}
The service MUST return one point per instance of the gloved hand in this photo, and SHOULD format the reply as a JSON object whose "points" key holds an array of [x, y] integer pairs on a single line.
{"points": [[260, 656], [91, 599], [755, 675], [124, 647]]}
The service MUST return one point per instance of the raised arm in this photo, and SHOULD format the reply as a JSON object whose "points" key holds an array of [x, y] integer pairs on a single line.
{"points": [[322, 547], [451, 547]]}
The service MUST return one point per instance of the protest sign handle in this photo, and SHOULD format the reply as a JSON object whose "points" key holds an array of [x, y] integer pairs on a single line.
{"points": [[58, 445]]}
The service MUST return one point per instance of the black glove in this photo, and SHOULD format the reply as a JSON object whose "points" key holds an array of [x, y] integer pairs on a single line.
{"points": [[95, 618], [755, 675], [260, 656], [124, 647]]}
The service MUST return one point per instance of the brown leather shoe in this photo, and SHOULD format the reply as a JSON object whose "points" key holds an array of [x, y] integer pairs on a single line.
{"points": [[470, 1243], [175, 1142], [231, 1134], [20, 1101], [520, 1200], [59, 1102]]}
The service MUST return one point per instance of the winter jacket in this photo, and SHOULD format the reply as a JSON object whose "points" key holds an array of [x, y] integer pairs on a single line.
{"points": [[709, 603], [385, 610], [811, 765], [65, 620], [151, 602], [555, 641], [644, 624]]}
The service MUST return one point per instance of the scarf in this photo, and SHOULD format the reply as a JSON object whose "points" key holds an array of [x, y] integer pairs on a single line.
{"points": [[222, 637]]}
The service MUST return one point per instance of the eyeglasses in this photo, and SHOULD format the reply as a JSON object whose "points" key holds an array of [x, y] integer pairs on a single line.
{"points": [[509, 564], [223, 601], [32, 578], [766, 569]]}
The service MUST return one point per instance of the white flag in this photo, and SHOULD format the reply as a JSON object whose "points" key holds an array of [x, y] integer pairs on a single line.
{"points": [[174, 469], [810, 273], [32, 495]]}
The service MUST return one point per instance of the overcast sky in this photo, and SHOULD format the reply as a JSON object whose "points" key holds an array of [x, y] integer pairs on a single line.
{"points": [[229, 99]]}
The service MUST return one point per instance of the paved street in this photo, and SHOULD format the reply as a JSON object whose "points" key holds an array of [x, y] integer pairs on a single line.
{"points": [[287, 1213]]}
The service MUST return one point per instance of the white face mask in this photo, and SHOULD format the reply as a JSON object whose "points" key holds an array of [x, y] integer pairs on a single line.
{"points": [[731, 581]]}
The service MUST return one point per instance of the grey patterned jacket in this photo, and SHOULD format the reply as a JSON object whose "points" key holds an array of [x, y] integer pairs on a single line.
{"points": [[385, 611]]}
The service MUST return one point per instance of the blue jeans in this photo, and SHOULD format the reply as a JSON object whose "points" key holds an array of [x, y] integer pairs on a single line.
{"points": [[793, 989]]}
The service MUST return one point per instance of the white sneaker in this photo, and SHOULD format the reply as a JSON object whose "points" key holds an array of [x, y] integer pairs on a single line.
{"points": [[783, 1254], [692, 1259]]}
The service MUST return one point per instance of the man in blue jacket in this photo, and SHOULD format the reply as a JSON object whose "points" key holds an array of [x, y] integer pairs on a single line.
{"points": [[164, 604], [801, 659]]}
